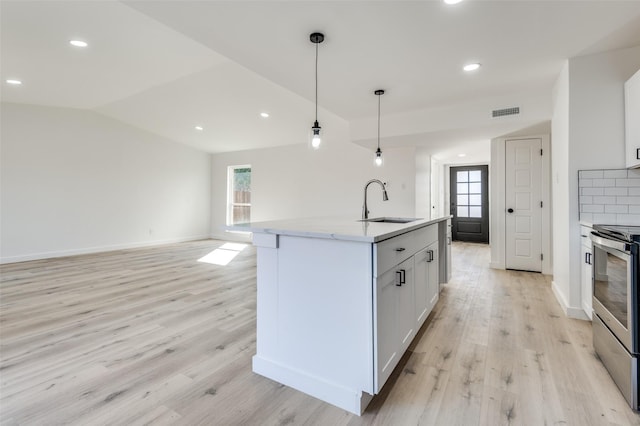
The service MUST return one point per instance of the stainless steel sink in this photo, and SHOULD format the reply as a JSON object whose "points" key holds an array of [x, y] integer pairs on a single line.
{"points": [[391, 219]]}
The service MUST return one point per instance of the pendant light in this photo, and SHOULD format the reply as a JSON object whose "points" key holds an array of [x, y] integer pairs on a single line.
{"points": [[378, 160], [316, 38]]}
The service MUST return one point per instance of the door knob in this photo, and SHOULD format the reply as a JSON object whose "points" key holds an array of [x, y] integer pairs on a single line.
{"points": [[510, 210]]}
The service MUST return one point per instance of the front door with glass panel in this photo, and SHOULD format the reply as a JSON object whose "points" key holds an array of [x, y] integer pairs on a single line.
{"points": [[470, 203]]}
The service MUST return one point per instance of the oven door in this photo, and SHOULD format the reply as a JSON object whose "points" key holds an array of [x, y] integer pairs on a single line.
{"points": [[614, 272]]}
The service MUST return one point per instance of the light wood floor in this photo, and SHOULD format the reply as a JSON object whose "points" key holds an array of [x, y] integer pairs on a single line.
{"points": [[151, 336]]}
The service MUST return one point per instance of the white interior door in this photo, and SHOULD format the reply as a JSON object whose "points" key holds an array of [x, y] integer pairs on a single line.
{"points": [[523, 201]]}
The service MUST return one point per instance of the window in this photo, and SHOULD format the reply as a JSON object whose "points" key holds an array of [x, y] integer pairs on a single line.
{"points": [[469, 192], [239, 195]]}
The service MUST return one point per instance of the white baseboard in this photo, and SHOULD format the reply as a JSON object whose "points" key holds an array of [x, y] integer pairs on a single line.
{"points": [[571, 312], [348, 399], [98, 249], [241, 237]]}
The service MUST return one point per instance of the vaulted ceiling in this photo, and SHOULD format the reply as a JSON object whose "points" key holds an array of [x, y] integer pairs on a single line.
{"points": [[167, 66]]}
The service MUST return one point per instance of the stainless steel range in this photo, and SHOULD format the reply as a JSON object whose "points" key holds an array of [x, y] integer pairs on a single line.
{"points": [[616, 303]]}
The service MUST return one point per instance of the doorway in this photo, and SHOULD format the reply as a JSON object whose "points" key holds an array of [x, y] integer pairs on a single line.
{"points": [[469, 189]]}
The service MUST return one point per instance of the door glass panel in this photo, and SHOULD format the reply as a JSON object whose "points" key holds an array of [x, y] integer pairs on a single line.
{"points": [[463, 177], [463, 200], [475, 188], [463, 188], [474, 176], [475, 200], [610, 283], [475, 211], [463, 211]]}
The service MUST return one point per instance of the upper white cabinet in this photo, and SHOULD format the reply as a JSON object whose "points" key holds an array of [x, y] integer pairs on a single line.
{"points": [[632, 120]]}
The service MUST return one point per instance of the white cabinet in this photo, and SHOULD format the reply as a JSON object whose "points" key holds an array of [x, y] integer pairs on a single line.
{"points": [[586, 270], [632, 120], [407, 284], [396, 325], [426, 282], [336, 315], [433, 283]]}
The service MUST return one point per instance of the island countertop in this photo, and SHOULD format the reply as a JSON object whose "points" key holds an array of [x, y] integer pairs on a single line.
{"points": [[335, 228]]}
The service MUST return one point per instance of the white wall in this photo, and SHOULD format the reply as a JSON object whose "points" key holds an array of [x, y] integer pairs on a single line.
{"points": [[74, 181], [588, 133], [424, 185], [296, 181]]}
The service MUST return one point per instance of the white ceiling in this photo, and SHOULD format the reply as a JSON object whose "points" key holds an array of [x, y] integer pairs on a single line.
{"points": [[167, 66]]}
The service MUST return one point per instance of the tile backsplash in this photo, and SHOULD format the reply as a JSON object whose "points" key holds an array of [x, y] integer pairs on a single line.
{"points": [[610, 197]]}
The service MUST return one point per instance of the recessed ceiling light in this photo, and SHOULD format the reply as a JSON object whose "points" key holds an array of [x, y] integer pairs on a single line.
{"points": [[199, 128], [452, 1], [264, 114], [462, 155], [14, 82], [471, 67], [78, 43]]}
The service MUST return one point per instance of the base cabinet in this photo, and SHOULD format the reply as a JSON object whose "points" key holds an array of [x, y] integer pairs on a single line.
{"points": [[426, 282], [586, 271], [396, 324], [334, 317]]}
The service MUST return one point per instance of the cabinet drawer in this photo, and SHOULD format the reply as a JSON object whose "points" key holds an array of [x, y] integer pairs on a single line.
{"points": [[388, 253]]}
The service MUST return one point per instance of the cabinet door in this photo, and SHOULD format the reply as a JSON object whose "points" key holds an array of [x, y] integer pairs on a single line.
{"points": [[395, 318], [406, 304], [422, 287], [586, 272], [433, 282], [632, 120], [385, 337]]}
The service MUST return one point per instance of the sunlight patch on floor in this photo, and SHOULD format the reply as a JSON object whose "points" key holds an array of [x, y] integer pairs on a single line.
{"points": [[224, 254]]}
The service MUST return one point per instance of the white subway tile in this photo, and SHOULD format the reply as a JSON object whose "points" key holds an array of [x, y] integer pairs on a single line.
{"points": [[627, 200], [592, 174], [615, 173], [604, 200], [586, 199], [633, 191], [592, 208], [628, 182], [634, 209], [592, 191], [617, 208], [604, 182], [604, 218], [618, 191], [587, 217], [633, 173], [628, 219], [585, 183]]}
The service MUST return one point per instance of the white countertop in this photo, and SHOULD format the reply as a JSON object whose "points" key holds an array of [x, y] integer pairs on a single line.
{"points": [[335, 228]]}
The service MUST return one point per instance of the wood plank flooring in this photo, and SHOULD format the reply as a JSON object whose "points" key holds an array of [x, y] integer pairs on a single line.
{"points": [[151, 336]]}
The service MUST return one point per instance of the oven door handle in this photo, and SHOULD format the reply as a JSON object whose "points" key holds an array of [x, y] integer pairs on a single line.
{"points": [[606, 242]]}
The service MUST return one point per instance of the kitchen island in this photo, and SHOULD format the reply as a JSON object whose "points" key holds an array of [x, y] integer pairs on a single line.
{"points": [[340, 300]]}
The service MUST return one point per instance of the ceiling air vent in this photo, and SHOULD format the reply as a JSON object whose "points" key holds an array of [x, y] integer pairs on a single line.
{"points": [[506, 111]]}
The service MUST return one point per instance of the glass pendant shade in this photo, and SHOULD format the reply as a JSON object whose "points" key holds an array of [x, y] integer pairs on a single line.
{"points": [[315, 137], [378, 160]]}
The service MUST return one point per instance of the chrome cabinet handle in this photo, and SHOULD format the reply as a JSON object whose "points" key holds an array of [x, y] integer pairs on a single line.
{"points": [[400, 249], [401, 277]]}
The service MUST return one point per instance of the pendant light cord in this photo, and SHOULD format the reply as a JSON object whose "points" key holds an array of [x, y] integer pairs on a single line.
{"points": [[316, 81], [378, 122]]}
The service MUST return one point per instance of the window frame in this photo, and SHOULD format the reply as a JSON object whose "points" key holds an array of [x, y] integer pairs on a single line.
{"points": [[230, 200]]}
